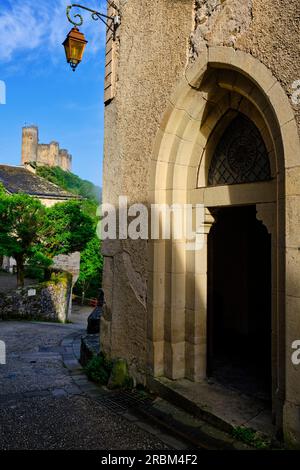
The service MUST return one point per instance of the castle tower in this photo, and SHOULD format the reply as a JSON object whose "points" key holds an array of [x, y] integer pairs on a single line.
{"points": [[30, 137], [53, 154], [65, 160], [70, 162]]}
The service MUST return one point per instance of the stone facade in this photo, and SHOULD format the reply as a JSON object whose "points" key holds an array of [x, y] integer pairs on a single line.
{"points": [[43, 154], [49, 301], [180, 77]]}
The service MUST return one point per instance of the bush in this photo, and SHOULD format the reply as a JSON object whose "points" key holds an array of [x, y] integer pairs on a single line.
{"points": [[98, 369]]}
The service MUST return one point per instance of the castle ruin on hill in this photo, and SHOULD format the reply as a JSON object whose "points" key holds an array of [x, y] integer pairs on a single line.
{"points": [[43, 154]]}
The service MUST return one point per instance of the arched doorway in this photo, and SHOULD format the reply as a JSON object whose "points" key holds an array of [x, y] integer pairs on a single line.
{"points": [[239, 266], [222, 84], [239, 302]]}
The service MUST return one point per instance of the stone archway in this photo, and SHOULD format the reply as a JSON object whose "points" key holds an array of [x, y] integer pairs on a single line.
{"points": [[223, 82]]}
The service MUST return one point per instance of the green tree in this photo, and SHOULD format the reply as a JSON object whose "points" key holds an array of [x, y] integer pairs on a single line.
{"points": [[33, 235], [89, 207], [22, 220], [2, 190], [69, 229], [91, 265], [72, 227]]}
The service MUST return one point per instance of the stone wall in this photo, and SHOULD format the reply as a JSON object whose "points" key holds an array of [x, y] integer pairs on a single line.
{"points": [[48, 301], [219, 22], [157, 44], [150, 57], [267, 29], [69, 263], [150, 61]]}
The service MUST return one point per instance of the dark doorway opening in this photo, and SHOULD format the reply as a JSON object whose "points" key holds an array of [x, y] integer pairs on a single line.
{"points": [[239, 302]]}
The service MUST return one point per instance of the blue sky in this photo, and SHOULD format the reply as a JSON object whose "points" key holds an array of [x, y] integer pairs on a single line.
{"points": [[41, 89]]}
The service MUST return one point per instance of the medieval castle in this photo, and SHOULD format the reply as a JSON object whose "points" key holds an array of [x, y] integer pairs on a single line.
{"points": [[43, 154]]}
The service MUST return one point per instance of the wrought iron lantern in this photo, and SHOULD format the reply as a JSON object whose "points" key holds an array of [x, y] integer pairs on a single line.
{"points": [[75, 41], [74, 45]]}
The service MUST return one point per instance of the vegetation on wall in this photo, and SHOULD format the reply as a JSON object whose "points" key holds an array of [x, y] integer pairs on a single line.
{"points": [[114, 374]]}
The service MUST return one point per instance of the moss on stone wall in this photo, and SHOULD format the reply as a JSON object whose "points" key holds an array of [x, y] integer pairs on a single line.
{"points": [[47, 301]]}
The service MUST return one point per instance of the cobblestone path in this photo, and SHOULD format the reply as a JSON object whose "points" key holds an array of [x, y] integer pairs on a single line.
{"points": [[42, 403]]}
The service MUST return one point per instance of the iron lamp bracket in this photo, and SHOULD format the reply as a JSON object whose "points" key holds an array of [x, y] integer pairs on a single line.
{"points": [[111, 22]]}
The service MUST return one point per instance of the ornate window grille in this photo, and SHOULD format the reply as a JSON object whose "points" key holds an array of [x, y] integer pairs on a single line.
{"points": [[241, 155]]}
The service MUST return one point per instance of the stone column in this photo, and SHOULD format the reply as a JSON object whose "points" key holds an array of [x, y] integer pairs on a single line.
{"points": [[267, 214], [196, 317], [174, 324], [291, 415], [158, 289]]}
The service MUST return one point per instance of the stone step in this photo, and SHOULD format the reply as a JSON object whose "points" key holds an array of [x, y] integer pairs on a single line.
{"points": [[196, 433], [217, 406]]}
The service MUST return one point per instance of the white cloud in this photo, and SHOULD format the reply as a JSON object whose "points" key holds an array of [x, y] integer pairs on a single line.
{"points": [[31, 26], [19, 29]]}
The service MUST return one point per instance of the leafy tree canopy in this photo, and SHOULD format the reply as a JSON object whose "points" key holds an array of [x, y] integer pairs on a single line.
{"points": [[68, 229], [91, 259], [31, 233], [22, 220], [91, 265]]}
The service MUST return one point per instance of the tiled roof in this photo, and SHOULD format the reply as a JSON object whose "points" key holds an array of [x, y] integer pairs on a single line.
{"points": [[16, 179]]}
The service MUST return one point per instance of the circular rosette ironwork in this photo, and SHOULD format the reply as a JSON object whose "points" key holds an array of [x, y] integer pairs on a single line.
{"points": [[241, 155]]}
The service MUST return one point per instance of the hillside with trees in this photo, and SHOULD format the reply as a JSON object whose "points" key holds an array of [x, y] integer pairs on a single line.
{"points": [[70, 182]]}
